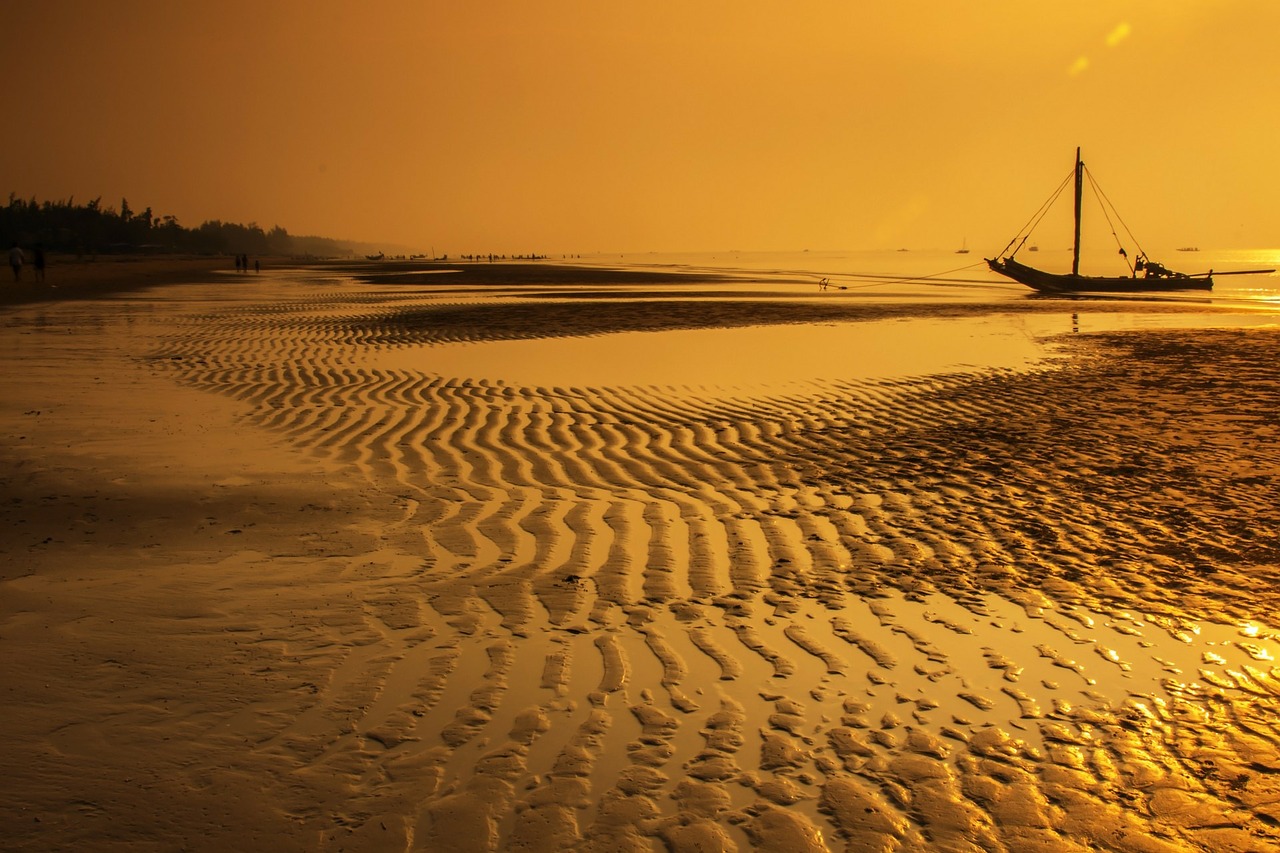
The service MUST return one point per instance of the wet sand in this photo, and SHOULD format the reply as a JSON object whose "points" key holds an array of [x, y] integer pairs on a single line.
{"points": [[86, 277], [274, 581]]}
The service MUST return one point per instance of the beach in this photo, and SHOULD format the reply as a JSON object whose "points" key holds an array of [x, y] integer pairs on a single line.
{"points": [[548, 556]]}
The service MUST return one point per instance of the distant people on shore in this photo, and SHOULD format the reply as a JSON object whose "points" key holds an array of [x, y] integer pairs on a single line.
{"points": [[242, 264], [490, 257], [16, 260]]}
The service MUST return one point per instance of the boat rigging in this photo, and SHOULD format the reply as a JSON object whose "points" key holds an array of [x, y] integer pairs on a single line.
{"points": [[1145, 275]]}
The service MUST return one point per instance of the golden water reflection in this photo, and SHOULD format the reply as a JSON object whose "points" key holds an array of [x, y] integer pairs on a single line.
{"points": [[780, 357]]}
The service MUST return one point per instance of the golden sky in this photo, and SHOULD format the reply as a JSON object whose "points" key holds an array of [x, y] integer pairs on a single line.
{"points": [[517, 126]]}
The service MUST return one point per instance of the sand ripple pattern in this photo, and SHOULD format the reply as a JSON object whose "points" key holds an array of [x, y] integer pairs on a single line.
{"points": [[986, 611]]}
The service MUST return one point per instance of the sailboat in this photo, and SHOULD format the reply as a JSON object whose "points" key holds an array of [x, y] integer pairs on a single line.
{"points": [[1145, 275]]}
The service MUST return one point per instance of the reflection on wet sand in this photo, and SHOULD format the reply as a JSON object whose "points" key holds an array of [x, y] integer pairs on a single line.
{"points": [[1027, 607]]}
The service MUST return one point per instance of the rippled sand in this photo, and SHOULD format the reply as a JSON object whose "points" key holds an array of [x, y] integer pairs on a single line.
{"points": [[271, 584]]}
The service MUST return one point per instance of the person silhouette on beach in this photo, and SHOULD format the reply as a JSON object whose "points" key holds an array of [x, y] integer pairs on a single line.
{"points": [[16, 259], [37, 261]]}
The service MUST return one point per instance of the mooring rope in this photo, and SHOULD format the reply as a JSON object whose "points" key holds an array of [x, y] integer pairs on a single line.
{"points": [[878, 279]]}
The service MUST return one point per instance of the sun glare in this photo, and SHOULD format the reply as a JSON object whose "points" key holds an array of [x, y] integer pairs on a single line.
{"points": [[1119, 34]]}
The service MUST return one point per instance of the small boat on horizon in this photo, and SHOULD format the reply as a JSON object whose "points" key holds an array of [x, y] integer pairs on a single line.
{"points": [[1154, 276]]}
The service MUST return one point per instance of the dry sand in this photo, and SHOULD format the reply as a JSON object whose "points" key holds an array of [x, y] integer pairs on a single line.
{"points": [[266, 588]]}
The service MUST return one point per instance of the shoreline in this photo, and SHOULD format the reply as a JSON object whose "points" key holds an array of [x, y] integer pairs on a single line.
{"points": [[108, 275], [69, 278]]}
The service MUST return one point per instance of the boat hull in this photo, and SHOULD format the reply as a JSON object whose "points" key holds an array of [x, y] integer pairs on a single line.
{"points": [[1047, 282]]}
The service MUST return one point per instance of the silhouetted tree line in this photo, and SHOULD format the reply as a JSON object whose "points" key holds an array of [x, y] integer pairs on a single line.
{"points": [[64, 226]]}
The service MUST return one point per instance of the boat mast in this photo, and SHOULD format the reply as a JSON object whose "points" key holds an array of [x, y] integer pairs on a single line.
{"points": [[1075, 256]]}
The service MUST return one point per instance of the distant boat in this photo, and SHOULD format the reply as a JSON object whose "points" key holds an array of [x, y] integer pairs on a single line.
{"points": [[964, 247], [1155, 277], [1189, 249], [376, 257]]}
